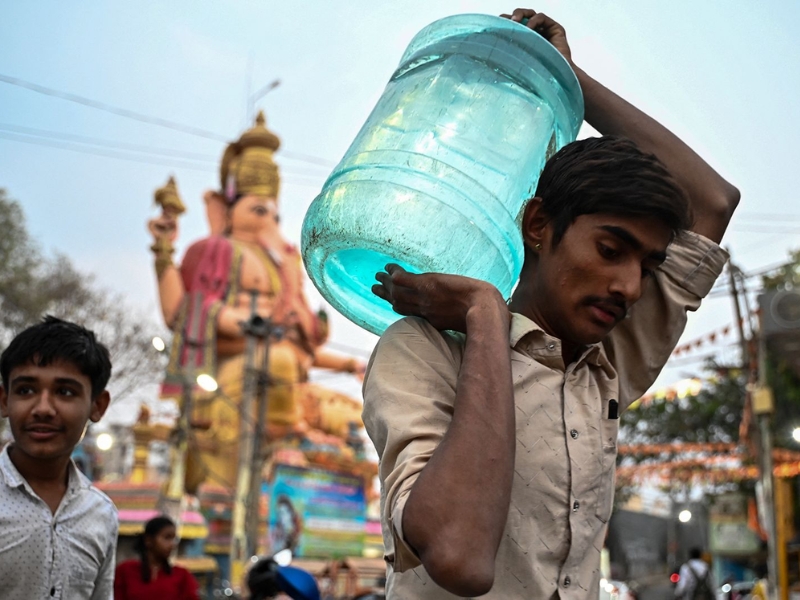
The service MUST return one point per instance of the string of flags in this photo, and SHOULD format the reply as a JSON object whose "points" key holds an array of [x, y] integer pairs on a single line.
{"points": [[719, 462], [711, 337]]}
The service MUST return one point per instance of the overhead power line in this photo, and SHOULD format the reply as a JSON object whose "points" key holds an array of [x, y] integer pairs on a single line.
{"points": [[82, 139], [781, 217], [99, 152], [122, 112], [766, 229], [143, 118], [294, 179]]}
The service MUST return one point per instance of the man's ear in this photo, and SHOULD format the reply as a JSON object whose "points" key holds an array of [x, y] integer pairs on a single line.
{"points": [[534, 222], [3, 402], [99, 406]]}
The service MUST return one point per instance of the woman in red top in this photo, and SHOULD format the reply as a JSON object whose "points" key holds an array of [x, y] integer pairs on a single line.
{"points": [[152, 577]]}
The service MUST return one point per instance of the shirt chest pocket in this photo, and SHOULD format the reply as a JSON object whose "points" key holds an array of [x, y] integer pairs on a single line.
{"points": [[609, 428], [80, 585], [80, 588]]}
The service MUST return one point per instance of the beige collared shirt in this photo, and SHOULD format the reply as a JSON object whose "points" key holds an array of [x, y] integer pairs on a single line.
{"points": [[563, 487]]}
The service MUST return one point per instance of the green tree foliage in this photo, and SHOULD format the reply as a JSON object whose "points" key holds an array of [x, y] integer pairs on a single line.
{"points": [[786, 276], [33, 284], [711, 416]]}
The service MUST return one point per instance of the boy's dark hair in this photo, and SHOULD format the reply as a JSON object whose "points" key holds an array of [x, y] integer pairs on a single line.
{"points": [[695, 553], [53, 340], [609, 175]]}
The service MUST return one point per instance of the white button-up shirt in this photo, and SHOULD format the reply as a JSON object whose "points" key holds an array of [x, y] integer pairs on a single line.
{"points": [[566, 429], [68, 555]]}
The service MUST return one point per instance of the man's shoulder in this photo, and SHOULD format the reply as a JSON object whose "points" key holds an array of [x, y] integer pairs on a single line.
{"points": [[100, 502], [417, 328], [412, 340], [103, 501]]}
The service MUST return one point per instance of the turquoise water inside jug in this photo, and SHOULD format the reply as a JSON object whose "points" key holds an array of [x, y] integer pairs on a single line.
{"points": [[438, 175]]}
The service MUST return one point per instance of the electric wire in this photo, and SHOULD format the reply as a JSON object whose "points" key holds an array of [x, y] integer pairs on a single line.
{"points": [[82, 139], [143, 118], [303, 179]]}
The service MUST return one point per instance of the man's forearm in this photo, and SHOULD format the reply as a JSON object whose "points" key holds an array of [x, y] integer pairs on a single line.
{"points": [[712, 198], [457, 509]]}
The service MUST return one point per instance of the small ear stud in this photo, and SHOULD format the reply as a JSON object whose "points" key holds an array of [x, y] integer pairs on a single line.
{"points": [[537, 247]]}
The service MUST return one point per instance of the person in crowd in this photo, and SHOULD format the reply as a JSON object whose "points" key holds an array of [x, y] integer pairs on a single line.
{"points": [[151, 576], [496, 422], [694, 582], [58, 533]]}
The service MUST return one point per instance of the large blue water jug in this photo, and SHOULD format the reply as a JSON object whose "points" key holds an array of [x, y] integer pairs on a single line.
{"points": [[438, 175]]}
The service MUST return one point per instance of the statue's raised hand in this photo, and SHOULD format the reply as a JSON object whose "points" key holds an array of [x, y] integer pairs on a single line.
{"points": [[163, 228]]}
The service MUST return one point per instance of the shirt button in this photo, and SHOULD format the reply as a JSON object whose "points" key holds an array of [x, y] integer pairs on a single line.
{"points": [[551, 346], [567, 581], [574, 434], [575, 506]]}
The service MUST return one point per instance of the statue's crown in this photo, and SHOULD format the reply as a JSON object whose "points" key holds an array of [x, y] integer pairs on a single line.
{"points": [[247, 165]]}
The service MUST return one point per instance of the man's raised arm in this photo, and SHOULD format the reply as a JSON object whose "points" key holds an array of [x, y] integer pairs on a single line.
{"points": [[713, 199]]}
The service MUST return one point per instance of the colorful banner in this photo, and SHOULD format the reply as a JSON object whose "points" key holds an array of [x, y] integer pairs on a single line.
{"points": [[316, 514]]}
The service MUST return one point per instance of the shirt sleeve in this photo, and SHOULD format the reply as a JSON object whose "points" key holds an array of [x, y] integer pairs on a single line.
{"points": [[104, 584], [409, 391], [683, 581], [640, 345]]}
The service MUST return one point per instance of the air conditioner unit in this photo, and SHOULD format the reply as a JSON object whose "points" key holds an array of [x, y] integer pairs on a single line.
{"points": [[780, 312]]}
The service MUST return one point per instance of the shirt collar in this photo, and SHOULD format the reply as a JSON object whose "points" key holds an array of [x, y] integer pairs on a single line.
{"points": [[13, 478], [595, 354]]}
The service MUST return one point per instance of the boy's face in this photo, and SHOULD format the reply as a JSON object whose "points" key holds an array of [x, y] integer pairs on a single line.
{"points": [[48, 408], [597, 271]]}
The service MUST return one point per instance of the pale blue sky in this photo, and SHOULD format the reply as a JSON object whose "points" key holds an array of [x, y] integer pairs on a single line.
{"points": [[723, 75]]}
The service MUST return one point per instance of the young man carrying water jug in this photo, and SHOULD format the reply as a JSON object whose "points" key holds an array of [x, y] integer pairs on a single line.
{"points": [[497, 423]]}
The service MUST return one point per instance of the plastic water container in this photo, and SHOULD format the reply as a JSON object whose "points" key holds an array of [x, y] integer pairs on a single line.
{"points": [[438, 175]]}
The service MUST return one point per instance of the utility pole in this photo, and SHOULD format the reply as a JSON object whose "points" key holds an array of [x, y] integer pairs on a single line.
{"points": [[738, 313], [261, 329], [763, 405], [245, 520], [170, 501]]}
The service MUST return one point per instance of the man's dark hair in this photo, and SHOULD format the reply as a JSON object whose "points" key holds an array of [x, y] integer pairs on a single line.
{"points": [[695, 553], [609, 175], [53, 340]]}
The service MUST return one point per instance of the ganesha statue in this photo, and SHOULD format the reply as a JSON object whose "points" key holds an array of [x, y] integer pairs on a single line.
{"points": [[244, 268]]}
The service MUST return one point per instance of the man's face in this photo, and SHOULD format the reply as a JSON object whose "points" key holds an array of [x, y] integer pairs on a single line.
{"points": [[48, 407], [586, 284], [253, 215]]}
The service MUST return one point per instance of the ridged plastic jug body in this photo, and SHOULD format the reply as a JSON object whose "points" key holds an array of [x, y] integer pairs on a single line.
{"points": [[438, 175]]}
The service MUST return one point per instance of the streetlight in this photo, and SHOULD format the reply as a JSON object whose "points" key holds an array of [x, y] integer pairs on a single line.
{"points": [[796, 434], [104, 441], [685, 516], [253, 98], [207, 382]]}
